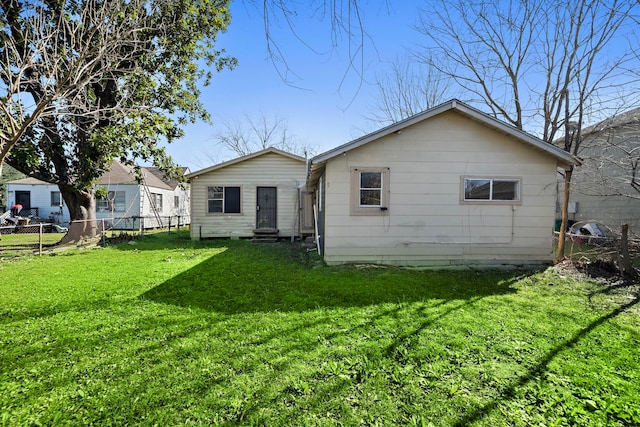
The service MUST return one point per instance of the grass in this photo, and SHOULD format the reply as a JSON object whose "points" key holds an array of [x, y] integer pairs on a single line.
{"points": [[24, 244], [174, 332]]}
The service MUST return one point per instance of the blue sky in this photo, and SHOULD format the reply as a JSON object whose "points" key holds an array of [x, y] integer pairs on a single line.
{"points": [[330, 103]]}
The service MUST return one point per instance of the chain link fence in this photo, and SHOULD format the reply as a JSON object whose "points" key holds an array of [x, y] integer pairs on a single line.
{"points": [[28, 239], [591, 242], [24, 238]]}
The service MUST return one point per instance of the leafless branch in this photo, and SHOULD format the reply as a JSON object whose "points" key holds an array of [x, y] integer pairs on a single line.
{"points": [[258, 133]]}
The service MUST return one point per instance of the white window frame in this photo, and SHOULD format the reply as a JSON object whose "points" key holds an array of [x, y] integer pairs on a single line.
{"points": [[110, 204], [492, 180], [357, 208], [222, 199], [155, 198]]}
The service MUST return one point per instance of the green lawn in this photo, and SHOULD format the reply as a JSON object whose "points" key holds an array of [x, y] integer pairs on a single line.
{"points": [[22, 244], [174, 332]]}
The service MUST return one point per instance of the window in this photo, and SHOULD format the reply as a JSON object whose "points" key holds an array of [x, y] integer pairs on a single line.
{"points": [[369, 191], [115, 202], [156, 200], [491, 190], [223, 200], [176, 202], [56, 200]]}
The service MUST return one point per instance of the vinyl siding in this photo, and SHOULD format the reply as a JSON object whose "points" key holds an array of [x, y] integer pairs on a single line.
{"points": [[121, 220], [268, 170], [427, 223], [40, 199]]}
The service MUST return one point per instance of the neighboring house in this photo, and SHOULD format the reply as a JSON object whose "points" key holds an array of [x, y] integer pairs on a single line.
{"points": [[450, 186], [603, 188], [129, 204], [261, 194]]}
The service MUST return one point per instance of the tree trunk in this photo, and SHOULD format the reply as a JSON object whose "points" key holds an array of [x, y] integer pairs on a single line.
{"points": [[564, 210], [82, 210]]}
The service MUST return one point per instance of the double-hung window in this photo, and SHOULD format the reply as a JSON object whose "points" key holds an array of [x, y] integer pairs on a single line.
{"points": [[369, 191], [492, 190], [56, 200], [115, 202], [156, 199], [223, 200], [117, 199]]}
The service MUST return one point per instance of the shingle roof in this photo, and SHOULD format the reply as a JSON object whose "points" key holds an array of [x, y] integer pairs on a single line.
{"points": [[173, 183], [626, 118], [28, 180], [119, 174]]}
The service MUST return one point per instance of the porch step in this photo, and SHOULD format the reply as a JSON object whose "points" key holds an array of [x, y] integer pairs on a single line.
{"points": [[265, 235]]}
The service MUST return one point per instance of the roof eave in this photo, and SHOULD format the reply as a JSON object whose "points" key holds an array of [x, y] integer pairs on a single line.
{"points": [[242, 159], [561, 155]]}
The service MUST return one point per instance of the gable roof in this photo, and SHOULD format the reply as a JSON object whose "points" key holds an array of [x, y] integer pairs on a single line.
{"points": [[27, 181], [627, 118], [172, 183], [118, 174], [453, 105], [245, 158], [125, 174]]}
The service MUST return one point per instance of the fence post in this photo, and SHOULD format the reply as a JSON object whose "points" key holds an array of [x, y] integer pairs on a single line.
{"points": [[627, 265], [169, 224], [40, 239]]}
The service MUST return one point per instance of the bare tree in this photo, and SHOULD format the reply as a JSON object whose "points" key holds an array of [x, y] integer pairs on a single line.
{"points": [[611, 155], [408, 89], [258, 133], [540, 65]]}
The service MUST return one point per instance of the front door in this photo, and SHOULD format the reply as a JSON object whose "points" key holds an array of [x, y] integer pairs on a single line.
{"points": [[24, 198], [266, 208]]}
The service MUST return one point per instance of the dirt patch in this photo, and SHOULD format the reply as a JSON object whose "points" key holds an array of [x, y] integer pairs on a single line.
{"points": [[120, 238], [604, 271]]}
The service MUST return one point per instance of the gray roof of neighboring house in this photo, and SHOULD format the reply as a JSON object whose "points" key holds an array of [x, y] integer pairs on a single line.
{"points": [[626, 118], [455, 105], [118, 174], [27, 181], [173, 183], [125, 174]]}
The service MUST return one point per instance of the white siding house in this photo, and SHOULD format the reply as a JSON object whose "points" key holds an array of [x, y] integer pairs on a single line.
{"points": [[260, 192], [38, 199], [129, 204], [446, 187]]}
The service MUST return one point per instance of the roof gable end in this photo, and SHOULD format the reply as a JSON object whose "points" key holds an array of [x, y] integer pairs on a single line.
{"points": [[270, 150], [453, 105]]}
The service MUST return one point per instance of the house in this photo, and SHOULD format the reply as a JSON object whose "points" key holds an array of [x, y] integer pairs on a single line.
{"points": [[604, 189], [128, 204], [449, 186], [257, 195]]}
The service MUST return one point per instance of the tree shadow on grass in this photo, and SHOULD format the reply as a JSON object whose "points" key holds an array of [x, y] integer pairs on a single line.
{"points": [[248, 278], [542, 366]]}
